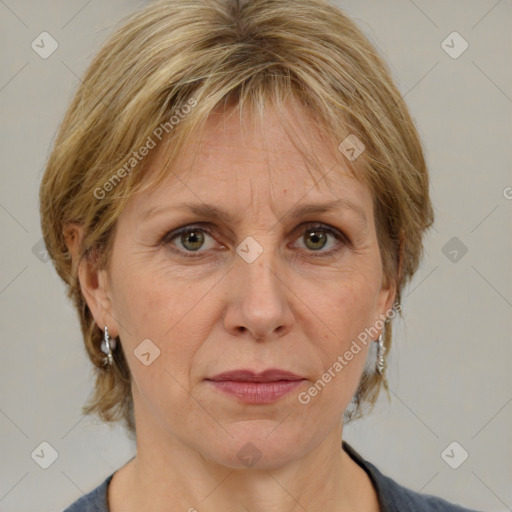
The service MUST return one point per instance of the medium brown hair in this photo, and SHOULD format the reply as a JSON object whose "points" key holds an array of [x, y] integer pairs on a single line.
{"points": [[206, 53]]}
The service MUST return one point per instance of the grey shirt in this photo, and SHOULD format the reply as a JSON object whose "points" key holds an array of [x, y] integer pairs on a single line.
{"points": [[392, 496]]}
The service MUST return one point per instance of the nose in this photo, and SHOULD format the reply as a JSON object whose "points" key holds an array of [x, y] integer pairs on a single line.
{"points": [[258, 300]]}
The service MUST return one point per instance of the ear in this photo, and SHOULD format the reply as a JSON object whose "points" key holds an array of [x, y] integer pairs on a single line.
{"points": [[385, 300], [387, 292], [92, 279]]}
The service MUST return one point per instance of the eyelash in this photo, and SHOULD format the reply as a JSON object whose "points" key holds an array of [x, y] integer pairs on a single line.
{"points": [[171, 235]]}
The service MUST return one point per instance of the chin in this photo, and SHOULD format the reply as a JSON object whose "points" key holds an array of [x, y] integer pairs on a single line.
{"points": [[254, 446]]}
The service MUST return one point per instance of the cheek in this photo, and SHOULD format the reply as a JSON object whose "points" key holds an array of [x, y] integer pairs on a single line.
{"points": [[340, 313], [343, 315], [167, 311], [339, 309], [139, 301], [143, 298]]}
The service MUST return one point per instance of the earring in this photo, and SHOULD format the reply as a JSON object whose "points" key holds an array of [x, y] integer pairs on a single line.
{"points": [[381, 362], [106, 345]]}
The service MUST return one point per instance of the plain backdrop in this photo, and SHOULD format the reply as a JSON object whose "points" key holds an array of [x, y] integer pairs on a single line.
{"points": [[450, 368]]}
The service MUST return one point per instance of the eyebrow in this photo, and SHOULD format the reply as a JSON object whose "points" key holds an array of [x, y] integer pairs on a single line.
{"points": [[212, 212]]}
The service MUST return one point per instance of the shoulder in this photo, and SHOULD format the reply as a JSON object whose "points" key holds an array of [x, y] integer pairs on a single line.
{"points": [[94, 501], [394, 497]]}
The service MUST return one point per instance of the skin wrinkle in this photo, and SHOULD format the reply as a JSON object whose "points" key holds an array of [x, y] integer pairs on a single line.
{"points": [[298, 312]]}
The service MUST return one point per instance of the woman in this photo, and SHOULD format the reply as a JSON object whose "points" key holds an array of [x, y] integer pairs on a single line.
{"points": [[236, 198]]}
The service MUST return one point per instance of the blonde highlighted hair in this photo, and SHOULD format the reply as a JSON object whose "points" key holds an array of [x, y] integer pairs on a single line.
{"points": [[208, 54]]}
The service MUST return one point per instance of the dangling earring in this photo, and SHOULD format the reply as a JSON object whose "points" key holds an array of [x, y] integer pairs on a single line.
{"points": [[381, 362], [106, 345]]}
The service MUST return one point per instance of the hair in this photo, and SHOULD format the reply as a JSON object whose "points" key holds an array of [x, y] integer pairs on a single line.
{"points": [[168, 67]]}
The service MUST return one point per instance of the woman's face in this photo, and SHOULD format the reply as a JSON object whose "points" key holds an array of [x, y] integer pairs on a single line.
{"points": [[267, 284]]}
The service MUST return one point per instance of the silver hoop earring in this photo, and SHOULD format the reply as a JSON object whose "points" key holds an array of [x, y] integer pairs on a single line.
{"points": [[381, 362], [107, 345]]}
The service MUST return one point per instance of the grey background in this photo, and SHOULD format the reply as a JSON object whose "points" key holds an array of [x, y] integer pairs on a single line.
{"points": [[450, 366]]}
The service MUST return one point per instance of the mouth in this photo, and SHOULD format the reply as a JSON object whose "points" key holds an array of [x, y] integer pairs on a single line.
{"points": [[250, 387]]}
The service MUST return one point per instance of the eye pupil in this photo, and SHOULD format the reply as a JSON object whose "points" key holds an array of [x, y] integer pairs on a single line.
{"points": [[316, 237], [195, 237]]}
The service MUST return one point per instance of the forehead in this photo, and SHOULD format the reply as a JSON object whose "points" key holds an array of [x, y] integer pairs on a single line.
{"points": [[282, 156]]}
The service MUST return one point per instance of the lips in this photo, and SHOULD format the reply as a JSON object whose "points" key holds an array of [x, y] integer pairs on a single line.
{"points": [[253, 388], [271, 375]]}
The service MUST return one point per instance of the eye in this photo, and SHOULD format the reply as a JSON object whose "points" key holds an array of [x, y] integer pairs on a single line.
{"points": [[189, 240], [316, 237]]}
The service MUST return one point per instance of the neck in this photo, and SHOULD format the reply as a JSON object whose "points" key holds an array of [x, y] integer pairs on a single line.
{"points": [[178, 478]]}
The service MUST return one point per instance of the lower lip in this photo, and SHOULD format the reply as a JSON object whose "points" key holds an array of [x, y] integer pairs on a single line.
{"points": [[257, 392]]}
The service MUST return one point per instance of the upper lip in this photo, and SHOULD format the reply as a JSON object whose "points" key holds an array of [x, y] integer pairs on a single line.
{"points": [[270, 375]]}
